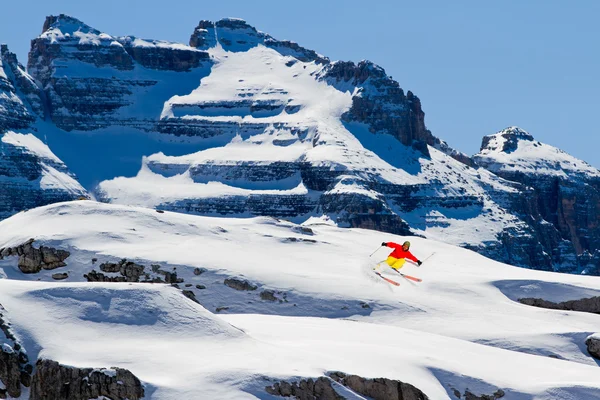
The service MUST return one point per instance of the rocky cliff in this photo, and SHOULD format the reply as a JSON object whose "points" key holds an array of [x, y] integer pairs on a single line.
{"points": [[16, 87]]}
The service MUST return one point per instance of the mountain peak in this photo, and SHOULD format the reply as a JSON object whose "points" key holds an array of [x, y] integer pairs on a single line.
{"points": [[517, 132], [66, 25], [506, 140]]}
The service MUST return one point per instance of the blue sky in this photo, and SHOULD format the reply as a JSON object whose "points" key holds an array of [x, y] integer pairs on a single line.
{"points": [[478, 66]]}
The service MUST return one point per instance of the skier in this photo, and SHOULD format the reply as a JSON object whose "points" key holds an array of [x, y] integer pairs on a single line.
{"points": [[398, 257]]}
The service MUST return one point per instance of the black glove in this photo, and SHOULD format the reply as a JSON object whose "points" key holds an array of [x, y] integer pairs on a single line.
{"points": [[419, 262], [384, 244]]}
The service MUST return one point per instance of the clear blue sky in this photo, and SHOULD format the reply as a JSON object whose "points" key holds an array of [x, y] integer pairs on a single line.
{"points": [[478, 66]]}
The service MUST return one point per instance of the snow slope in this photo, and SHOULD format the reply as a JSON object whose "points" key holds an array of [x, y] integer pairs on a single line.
{"points": [[461, 328]]}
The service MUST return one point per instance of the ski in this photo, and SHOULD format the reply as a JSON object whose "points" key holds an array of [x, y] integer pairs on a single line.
{"points": [[386, 279], [412, 278]]}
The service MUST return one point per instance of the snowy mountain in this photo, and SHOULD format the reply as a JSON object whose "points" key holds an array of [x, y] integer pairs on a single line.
{"points": [[260, 307], [566, 192], [240, 124]]}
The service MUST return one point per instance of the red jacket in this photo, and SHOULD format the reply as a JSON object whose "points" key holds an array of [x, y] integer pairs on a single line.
{"points": [[399, 252]]}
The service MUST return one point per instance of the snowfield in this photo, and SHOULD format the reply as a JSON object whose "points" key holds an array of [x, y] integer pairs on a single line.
{"points": [[461, 328]]}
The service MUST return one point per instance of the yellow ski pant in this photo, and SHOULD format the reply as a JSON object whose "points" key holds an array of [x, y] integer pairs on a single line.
{"points": [[395, 263]]}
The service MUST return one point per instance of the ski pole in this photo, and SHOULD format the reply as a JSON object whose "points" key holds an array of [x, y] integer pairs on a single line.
{"points": [[375, 251], [429, 256]]}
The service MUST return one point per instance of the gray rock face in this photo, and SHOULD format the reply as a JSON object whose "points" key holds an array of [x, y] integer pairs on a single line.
{"points": [[19, 96], [590, 305], [10, 372], [128, 272], [33, 260], [60, 276], [15, 369], [381, 103], [239, 284], [55, 381], [379, 388], [593, 346], [306, 389], [321, 388], [494, 396]]}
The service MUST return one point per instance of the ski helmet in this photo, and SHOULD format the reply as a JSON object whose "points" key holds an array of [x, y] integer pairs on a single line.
{"points": [[407, 244]]}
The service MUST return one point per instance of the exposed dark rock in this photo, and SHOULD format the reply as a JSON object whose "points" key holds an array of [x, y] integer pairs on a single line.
{"points": [[379, 388], [60, 276], [131, 271], [268, 295], [128, 270], [321, 388], [110, 267], [15, 369], [58, 382], [380, 103], [199, 271], [190, 295], [306, 389], [219, 309], [95, 276], [32, 260], [593, 346], [496, 395], [591, 304], [200, 287], [14, 113], [239, 284], [10, 371]]}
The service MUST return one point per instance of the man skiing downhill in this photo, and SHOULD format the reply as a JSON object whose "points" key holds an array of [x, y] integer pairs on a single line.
{"points": [[398, 257]]}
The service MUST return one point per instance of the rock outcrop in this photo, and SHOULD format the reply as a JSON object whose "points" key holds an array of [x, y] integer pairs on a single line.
{"points": [[379, 388], [129, 271], [593, 345], [590, 305], [19, 96], [305, 389], [239, 284], [59, 382], [10, 372], [15, 369], [32, 260], [321, 388], [380, 103]]}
